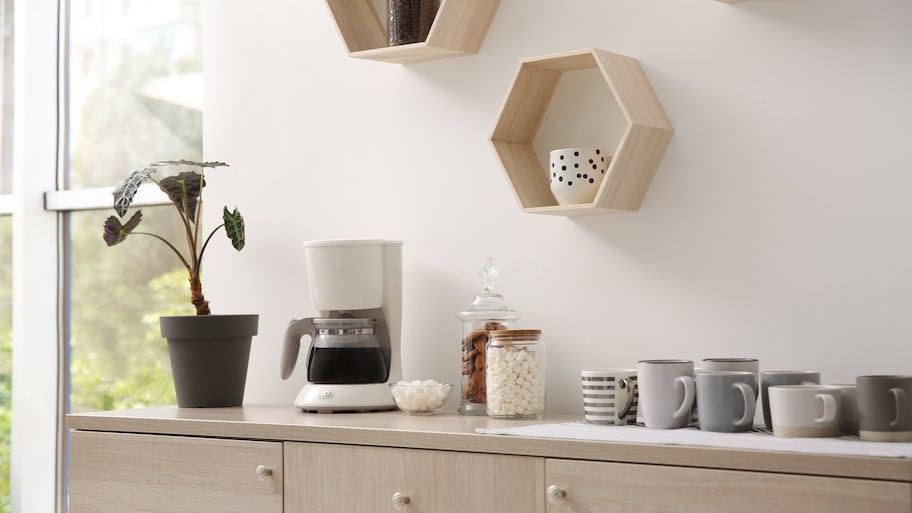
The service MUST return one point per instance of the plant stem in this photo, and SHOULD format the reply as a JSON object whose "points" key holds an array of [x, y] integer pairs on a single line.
{"points": [[176, 252], [203, 250], [196, 295]]}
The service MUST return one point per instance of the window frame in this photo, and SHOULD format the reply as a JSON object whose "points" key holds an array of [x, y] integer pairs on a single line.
{"points": [[37, 423], [39, 205]]}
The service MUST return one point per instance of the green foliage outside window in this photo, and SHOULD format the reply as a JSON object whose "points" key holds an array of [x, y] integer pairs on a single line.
{"points": [[6, 361], [118, 359]]}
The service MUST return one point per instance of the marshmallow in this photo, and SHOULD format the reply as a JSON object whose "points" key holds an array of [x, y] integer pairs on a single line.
{"points": [[515, 381]]}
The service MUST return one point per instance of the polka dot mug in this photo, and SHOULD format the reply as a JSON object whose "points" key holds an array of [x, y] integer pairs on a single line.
{"points": [[577, 173]]}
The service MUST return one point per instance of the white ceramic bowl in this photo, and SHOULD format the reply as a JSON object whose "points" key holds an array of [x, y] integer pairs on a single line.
{"points": [[421, 397], [577, 173]]}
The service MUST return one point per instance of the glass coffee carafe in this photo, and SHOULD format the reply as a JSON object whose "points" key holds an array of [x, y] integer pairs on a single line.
{"points": [[345, 351]]}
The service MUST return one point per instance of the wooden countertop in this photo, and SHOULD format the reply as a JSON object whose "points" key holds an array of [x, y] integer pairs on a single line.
{"points": [[449, 431]]}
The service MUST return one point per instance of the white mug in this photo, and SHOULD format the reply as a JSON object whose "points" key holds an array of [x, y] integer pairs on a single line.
{"points": [[667, 392], [804, 410]]}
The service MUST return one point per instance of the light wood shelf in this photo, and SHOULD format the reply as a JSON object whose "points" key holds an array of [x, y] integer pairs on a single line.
{"points": [[636, 158], [458, 29]]}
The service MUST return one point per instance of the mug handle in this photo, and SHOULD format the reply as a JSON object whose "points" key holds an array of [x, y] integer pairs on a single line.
{"points": [[689, 396], [750, 404], [899, 397], [830, 409], [626, 385]]}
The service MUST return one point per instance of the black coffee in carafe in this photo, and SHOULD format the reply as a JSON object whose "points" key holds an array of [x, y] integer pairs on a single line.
{"points": [[345, 351]]}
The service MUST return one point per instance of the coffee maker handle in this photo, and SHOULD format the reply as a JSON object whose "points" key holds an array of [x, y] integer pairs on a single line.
{"points": [[296, 329]]}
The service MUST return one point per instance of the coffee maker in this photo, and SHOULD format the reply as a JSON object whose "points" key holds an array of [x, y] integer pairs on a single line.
{"points": [[356, 286]]}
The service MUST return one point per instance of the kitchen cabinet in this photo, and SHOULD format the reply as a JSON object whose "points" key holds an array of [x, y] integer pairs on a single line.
{"points": [[330, 478], [584, 487], [207, 459], [119, 473]]}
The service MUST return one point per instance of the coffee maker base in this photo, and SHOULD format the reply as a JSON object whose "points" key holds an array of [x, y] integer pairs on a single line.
{"points": [[318, 398]]}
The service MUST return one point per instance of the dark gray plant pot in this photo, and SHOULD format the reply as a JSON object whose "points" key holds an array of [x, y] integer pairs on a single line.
{"points": [[209, 355]]}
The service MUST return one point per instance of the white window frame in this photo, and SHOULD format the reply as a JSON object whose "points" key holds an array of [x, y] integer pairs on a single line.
{"points": [[37, 421], [38, 207]]}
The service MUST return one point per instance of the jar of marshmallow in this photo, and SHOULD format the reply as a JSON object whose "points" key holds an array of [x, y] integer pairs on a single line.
{"points": [[515, 374]]}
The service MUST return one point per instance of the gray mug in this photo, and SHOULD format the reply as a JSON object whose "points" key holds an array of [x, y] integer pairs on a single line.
{"points": [[751, 365], [774, 378], [727, 401], [884, 408]]}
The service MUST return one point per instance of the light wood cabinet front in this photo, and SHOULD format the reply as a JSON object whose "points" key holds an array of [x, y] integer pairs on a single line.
{"points": [[590, 487], [328, 478], [128, 473]]}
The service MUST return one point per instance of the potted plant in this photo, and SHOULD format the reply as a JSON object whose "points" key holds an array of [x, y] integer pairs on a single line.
{"points": [[209, 353]]}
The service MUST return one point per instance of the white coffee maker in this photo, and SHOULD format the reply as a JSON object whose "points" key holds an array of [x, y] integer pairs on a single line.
{"points": [[356, 286]]}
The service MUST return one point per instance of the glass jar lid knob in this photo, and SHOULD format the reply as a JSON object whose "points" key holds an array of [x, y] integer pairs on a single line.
{"points": [[488, 274]]}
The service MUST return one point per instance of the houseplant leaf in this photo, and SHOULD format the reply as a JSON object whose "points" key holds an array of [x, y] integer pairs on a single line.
{"points": [[115, 232], [183, 162], [234, 227], [184, 191], [125, 190]]}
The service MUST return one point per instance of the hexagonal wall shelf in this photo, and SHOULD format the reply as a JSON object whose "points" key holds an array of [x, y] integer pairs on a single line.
{"points": [[638, 154], [458, 29]]}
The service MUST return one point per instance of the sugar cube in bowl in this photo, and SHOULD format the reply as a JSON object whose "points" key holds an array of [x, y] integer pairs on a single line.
{"points": [[420, 397]]}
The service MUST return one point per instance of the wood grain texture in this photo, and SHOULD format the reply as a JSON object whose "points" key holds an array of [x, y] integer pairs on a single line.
{"points": [[459, 29], [452, 432], [323, 477], [638, 154], [598, 487], [358, 24], [125, 473]]}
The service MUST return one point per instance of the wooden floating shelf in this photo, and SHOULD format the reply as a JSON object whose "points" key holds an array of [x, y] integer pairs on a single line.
{"points": [[636, 158], [458, 29]]}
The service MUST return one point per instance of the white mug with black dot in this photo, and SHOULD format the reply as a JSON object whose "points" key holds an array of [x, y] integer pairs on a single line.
{"points": [[575, 174]]}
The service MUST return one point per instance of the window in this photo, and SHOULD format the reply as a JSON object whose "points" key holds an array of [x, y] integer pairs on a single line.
{"points": [[6, 361], [6, 253], [140, 103], [122, 87]]}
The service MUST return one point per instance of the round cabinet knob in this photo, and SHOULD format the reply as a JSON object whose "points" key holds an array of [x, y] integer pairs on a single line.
{"points": [[262, 472], [399, 500], [555, 494]]}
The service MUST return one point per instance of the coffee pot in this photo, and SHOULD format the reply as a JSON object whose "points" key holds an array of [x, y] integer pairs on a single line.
{"points": [[356, 285]]}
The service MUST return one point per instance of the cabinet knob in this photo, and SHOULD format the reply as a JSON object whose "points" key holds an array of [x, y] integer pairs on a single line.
{"points": [[262, 472], [555, 494], [399, 500]]}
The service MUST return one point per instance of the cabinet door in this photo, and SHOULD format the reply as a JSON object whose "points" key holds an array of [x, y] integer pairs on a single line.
{"points": [[589, 487], [324, 478], [125, 473]]}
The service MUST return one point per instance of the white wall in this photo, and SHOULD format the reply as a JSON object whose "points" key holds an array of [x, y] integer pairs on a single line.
{"points": [[778, 226]]}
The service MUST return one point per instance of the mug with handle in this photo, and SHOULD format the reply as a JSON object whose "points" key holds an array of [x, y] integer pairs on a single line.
{"points": [[884, 408], [666, 392], [778, 377], [804, 410], [727, 401], [609, 396]]}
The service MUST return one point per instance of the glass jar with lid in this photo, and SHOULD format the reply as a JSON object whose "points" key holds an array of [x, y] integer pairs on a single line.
{"points": [[515, 374], [487, 312]]}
